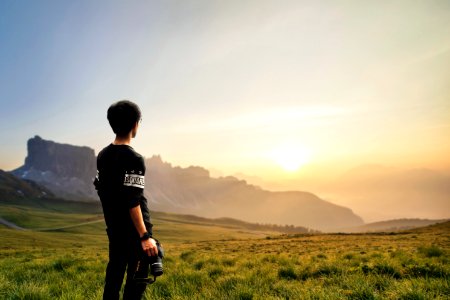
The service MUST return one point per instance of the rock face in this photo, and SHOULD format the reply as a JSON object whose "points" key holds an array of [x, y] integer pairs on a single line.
{"points": [[64, 169]]}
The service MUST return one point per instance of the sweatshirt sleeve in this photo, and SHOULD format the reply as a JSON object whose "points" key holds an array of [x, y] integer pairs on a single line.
{"points": [[134, 182]]}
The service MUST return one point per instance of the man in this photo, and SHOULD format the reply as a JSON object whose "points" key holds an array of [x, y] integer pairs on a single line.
{"points": [[120, 186]]}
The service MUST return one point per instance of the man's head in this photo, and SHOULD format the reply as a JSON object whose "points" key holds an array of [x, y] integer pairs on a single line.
{"points": [[124, 116]]}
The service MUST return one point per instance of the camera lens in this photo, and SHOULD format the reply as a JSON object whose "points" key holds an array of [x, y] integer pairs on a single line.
{"points": [[156, 268]]}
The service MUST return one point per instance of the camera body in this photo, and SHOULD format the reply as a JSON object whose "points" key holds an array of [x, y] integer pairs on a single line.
{"points": [[150, 265]]}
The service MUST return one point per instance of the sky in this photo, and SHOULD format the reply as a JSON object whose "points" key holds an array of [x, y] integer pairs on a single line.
{"points": [[274, 89]]}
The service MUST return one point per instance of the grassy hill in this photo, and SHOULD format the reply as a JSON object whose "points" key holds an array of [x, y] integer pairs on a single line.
{"points": [[168, 226], [394, 225], [214, 261]]}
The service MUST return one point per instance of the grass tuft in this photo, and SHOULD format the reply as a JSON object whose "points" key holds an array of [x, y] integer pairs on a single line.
{"points": [[187, 256], [386, 269], [287, 273], [412, 295], [431, 251]]}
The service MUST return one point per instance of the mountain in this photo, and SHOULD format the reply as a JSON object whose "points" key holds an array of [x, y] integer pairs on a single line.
{"points": [[379, 192], [64, 169], [67, 171], [192, 191]]}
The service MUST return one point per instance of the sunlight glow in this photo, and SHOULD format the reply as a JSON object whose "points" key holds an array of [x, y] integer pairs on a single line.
{"points": [[291, 157]]}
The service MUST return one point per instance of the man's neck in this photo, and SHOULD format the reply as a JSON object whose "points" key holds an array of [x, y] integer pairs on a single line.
{"points": [[122, 140]]}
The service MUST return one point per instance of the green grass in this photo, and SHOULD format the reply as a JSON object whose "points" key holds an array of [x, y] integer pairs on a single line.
{"points": [[214, 262], [39, 218]]}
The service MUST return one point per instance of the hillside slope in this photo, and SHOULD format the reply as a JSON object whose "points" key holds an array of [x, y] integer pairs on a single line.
{"points": [[27, 193]]}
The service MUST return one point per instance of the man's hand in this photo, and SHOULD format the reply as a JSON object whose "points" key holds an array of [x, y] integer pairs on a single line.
{"points": [[149, 247]]}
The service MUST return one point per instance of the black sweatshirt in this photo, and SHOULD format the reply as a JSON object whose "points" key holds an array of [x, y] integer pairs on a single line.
{"points": [[120, 186]]}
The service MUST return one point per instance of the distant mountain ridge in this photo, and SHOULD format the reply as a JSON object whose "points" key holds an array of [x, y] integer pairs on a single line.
{"points": [[394, 225], [386, 191], [68, 172], [192, 191]]}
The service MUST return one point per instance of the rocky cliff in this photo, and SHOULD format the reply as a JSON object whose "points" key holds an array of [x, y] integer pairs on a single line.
{"points": [[64, 169]]}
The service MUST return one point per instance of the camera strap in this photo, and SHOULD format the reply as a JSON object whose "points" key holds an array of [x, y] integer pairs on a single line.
{"points": [[147, 280]]}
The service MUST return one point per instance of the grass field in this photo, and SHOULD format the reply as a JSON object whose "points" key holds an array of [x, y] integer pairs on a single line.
{"points": [[208, 261]]}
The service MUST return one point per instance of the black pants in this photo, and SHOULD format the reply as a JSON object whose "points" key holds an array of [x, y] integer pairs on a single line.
{"points": [[125, 252]]}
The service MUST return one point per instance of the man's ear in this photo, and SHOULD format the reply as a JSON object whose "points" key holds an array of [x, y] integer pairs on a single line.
{"points": [[134, 130]]}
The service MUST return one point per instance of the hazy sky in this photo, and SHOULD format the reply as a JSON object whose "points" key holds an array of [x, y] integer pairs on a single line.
{"points": [[236, 86]]}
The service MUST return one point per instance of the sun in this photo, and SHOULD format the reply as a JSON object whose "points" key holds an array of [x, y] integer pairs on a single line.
{"points": [[290, 157]]}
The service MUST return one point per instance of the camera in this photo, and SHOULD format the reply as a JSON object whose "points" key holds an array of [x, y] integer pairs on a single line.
{"points": [[152, 265], [155, 262]]}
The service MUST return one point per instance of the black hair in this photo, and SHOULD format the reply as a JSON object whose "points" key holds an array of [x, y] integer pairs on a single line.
{"points": [[122, 117]]}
